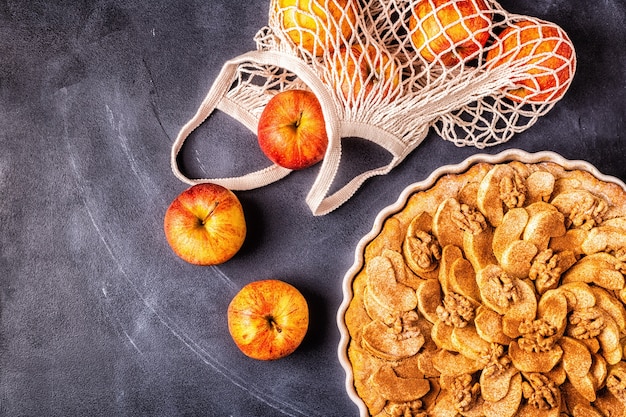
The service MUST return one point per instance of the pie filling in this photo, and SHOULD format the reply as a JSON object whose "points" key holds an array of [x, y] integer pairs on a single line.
{"points": [[496, 292]]}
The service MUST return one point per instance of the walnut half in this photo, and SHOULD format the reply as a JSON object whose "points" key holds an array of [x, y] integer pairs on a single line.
{"points": [[540, 391], [456, 310], [465, 392]]}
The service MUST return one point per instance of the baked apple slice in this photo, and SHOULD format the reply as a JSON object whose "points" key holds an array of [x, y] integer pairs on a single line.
{"points": [[397, 389], [385, 343]]}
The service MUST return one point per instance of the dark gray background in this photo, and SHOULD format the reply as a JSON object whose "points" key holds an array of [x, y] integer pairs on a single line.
{"points": [[98, 317]]}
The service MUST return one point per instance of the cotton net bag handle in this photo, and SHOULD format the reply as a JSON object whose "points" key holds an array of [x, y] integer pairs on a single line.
{"points": [[234, 93], [388, 71]]}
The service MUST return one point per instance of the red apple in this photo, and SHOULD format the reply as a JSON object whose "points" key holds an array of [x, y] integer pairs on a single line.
{"points": [[450, 31], [268, 319], [540, 57], [292, 130], [205, 224], [316, 25], [359, 72]]}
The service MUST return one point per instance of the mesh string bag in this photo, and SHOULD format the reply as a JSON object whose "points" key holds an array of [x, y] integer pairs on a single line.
{"points": [[388, 72]]}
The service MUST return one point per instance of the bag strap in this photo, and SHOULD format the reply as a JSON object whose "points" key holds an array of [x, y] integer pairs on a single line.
{"points": [[216, 99], [317, 199]]}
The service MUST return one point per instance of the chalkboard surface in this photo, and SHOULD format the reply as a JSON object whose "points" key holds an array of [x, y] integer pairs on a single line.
{"points": [[97, 316]]}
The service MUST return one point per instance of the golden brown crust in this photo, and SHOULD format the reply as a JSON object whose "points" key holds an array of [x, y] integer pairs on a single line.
{"points": [[518, 275]]}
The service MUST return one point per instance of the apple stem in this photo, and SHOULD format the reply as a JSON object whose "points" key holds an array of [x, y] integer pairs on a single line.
{"points": [[211, 210], [273, 324], [299, 120]]}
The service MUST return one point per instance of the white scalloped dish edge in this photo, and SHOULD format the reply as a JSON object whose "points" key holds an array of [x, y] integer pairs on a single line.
{"points": [[505, 156]]}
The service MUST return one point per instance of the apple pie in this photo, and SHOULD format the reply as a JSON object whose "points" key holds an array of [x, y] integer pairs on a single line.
{"points": [[495, 291]]}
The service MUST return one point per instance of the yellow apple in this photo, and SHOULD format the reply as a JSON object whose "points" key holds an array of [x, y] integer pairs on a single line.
{"points": [[541, 57], [316, 25], [291, 130], [205, 224], [359, 72], [268, 319], [450, 31]]}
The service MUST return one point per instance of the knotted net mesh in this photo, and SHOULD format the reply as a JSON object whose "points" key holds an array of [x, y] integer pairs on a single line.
{"points": [[389, 71]]}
